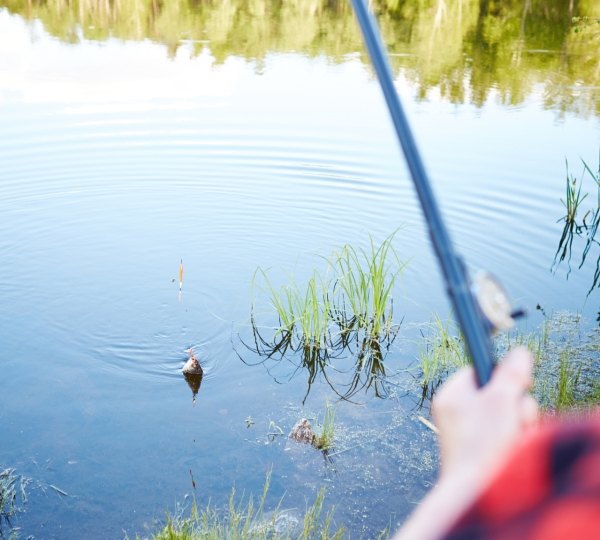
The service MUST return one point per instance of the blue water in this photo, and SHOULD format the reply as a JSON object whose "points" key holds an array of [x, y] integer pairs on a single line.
{"points": [[116, 162]]}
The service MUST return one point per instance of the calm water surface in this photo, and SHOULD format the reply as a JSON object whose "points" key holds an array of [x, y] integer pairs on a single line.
{"points": [[119, 158]]}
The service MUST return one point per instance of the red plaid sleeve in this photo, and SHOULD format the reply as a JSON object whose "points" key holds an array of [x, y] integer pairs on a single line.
{"points": [[548, 490]]}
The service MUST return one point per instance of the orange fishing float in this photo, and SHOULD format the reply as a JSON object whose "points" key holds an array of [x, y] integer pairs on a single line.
{"points": [[180, 275]]}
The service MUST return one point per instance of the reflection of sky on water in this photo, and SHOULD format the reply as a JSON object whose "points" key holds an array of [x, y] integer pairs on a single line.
{"points": [[116, 161]]}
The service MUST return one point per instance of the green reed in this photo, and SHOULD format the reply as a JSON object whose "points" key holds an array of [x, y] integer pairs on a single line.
{"points": [[444, 352], [566, 372], [312, 312], [575, 225], [281, 300], [363, 286], [535, 342], [357, 298], [568, 379], [592, 397], [347, 312], [302, 312], [573, 198], [324, 439]]}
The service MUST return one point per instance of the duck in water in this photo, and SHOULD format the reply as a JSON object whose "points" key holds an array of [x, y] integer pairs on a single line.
{"points": [[192, 366]]}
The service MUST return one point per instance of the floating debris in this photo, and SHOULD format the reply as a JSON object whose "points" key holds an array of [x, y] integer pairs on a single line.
{"points": [[58, 490], [427, 423]]}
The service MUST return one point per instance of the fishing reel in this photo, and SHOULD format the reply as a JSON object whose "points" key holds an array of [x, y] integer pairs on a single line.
{"points": [[493, 303]]}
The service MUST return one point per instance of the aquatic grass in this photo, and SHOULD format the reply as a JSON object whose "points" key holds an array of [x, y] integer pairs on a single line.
{"points": [[566, 371], [444, 352], [303, 313], [592, 226], [324, 439], [312, 312], [346, 310], [568, 378], [571, 202], [585, 227], [535, 342], [364, 283], [573, 198], [592, 397], [12, 493], [358, 297], [281, 300], [314, 527], [8, 494], [249, 521], [369, 370]]}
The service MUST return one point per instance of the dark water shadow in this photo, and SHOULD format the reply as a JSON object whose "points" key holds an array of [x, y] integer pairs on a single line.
{"points": [[194, 381]]}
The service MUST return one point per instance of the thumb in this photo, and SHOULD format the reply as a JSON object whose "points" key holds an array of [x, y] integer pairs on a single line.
{"points": [[514, 373]]}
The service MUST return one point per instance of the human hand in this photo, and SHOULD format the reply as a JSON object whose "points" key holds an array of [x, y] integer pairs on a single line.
{"points": [[479, 426]]}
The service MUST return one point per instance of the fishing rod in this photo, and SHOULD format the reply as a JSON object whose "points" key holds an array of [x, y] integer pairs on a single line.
{"points": [[481, 306]]}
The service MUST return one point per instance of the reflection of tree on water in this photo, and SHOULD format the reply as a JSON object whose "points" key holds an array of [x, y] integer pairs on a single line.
{"points": [[362, 355], [466, 49], [584, 228]]}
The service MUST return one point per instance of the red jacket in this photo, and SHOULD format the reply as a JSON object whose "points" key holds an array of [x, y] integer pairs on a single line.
{"points": [[548, 490]]}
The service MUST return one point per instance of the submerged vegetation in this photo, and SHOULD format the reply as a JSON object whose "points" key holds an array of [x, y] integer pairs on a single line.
{"points": [[568, 375], [566, 368], [249, 521], [12, 494], [346, 312], [465, 49], [442, 352]]}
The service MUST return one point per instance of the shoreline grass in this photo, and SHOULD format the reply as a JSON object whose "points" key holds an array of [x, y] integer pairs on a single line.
{"points": [[566, 374], [247, 520]]}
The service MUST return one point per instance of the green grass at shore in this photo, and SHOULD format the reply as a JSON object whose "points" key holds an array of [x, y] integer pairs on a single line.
{"points": [[249, 521], [566, 375]]}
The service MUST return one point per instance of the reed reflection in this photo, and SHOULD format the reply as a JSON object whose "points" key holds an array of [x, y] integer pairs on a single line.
{"points": [[350, 363]]}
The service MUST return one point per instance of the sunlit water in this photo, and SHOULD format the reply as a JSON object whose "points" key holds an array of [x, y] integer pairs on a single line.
{"points": [[116, 162]]}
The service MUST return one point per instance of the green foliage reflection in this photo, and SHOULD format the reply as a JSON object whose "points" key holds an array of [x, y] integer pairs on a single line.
{"points": [[465, 49]]}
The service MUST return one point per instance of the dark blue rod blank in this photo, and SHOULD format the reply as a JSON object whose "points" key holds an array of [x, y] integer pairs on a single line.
{"points": [[474, 327]]}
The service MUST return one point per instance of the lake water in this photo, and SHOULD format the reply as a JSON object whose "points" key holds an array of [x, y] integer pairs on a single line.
{"points": [[121, 156]]}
